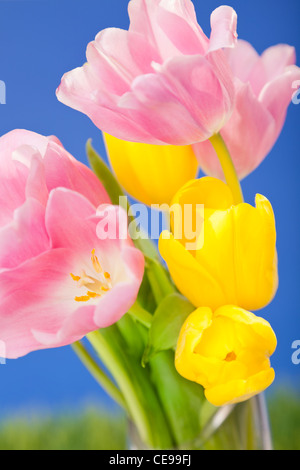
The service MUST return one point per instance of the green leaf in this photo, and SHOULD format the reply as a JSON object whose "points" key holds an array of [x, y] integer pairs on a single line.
{"points": [[133, 336], [159, 279], [166, 325], [104, 174], [145, 295], [181, 399]]}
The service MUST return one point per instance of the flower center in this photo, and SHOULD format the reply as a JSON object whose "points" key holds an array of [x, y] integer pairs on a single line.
{"points": [[96, 286], [231, 356]]}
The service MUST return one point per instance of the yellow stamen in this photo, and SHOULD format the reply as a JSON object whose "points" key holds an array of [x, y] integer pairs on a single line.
{"points": [[97, 285], [84, 298], [93, 295], [105, 289], [96, 264]]}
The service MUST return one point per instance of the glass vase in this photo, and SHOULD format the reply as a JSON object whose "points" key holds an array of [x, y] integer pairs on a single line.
{"points": [[244, 426]]}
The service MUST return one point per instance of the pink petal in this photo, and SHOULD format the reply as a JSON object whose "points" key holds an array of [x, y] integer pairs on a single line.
{"points": [[72, 222], [25, 237], [31, 297], [242, 59], [277, 94], [180, 16], [63, 170], [36, 186], [77, 91], [160, 21], [249, 136], [276, 58], [115, 303], [118, 56], [12, 191], [223, 28], [183, 103], [17, 138], [67, 221]]}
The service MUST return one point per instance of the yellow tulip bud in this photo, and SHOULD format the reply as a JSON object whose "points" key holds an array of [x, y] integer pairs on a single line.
{"points": [[235, 261], [227, 352], [151, 174]]}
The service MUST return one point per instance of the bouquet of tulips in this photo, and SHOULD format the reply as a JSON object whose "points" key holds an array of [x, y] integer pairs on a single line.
{"points": [[167, 329]]}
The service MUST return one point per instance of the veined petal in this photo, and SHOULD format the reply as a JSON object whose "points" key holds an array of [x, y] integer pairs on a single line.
{"points": [[160, 20]]}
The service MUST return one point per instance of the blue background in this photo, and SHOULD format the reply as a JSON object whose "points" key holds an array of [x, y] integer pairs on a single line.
{"points": [[42, 39]]}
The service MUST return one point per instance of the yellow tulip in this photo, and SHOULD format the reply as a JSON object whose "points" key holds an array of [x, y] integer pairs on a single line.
{"points": [[227, 352], [151, 174], [235, 261]]}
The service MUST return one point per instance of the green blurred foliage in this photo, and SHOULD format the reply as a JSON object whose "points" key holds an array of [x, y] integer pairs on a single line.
{"points": [[94, 429], [284, 411], [90, 430]]}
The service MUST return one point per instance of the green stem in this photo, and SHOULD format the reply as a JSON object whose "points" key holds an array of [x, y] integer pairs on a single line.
{"points": [[227, 167], [140, 314], [95, 370], [159, 280], [110, 358]]}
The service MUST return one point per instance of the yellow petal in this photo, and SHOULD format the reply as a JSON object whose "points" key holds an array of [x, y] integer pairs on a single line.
{"points": [[194, 280], [211, 192], [151, 174], [235, 248], [227, 352], [237, 391]]}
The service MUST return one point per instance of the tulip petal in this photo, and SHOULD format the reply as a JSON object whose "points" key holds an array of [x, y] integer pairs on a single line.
{"points": [[242, 59], [195, 281], [277, 95], [223, 28], [117, 57], [137, 170], [160, 21], [63, 170], [35, 286], [78, 91], [251, 120], [25, 237], [240, 390], [185, 92], [275, 59]]}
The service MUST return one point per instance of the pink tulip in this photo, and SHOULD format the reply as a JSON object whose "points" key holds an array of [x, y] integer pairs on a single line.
{"points": [[161, 82], [58, 279], [264, 89]]}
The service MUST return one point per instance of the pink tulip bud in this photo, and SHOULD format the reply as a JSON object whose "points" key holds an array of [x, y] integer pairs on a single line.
{"points": [[162, 81]]}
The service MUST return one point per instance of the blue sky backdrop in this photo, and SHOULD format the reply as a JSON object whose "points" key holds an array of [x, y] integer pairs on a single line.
{"points": [[42, 39]]}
